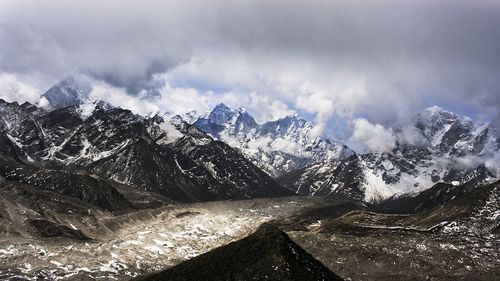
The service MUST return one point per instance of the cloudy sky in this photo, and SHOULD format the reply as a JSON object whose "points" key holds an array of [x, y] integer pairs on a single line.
{"points": [[374, 62]]}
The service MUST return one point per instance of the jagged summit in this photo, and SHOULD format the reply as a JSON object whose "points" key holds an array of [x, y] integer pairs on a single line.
{"points": [[221, 106], [64, 94], [437, 116], [267, 254], [221, 114], [436, 109], [436, 112]]}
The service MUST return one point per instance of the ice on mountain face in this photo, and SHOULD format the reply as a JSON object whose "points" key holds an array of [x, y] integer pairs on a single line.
{"points": [[190, 117], [171, 133], [86, 109], [375, 188]]}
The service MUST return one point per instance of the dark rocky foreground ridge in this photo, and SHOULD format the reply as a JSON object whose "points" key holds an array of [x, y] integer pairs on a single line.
{"points": [[267, 254]]}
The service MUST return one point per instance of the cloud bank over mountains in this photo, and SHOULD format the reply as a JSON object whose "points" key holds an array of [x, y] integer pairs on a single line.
{"points": [[369, 62]]}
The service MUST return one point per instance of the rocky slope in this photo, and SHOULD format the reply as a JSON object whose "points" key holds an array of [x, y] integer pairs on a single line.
{"points": [[449, 232]]}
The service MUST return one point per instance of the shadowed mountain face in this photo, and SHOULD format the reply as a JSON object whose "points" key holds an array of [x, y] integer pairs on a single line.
{"points": [[91, 161], [93, 172], [95, 191], [268, 254]]}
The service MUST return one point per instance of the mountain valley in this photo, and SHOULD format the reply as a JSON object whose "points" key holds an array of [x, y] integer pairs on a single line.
{"points": [[91, 191]]}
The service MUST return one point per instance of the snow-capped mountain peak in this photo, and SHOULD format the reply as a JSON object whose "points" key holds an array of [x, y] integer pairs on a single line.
{"points": [[64, 94], [221, 114], [190, 117], [87, 107], [276, 146], [433, 119]]}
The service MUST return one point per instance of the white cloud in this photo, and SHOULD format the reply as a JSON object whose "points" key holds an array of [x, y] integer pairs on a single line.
{"points": [[176, 100], [12, 89], [118, 97], [467, 162], [279, 144], [231, 141], [342, 95], [260, 143], [285, 145], [320, 104], [172, 134], [411, 135], [44, 103], [492, 163], [373, 136], [268, 109], [181, 100]]}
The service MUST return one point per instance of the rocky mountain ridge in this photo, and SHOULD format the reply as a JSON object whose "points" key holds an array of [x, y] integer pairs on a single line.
{"points": [[146, 153]]}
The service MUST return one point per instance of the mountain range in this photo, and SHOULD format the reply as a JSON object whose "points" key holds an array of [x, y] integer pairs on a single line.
{"points": [[226, 154], [434, 146], [96, 140]]}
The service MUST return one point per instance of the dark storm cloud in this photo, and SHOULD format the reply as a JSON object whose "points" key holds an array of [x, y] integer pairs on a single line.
{"points": [[406, 53]]}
